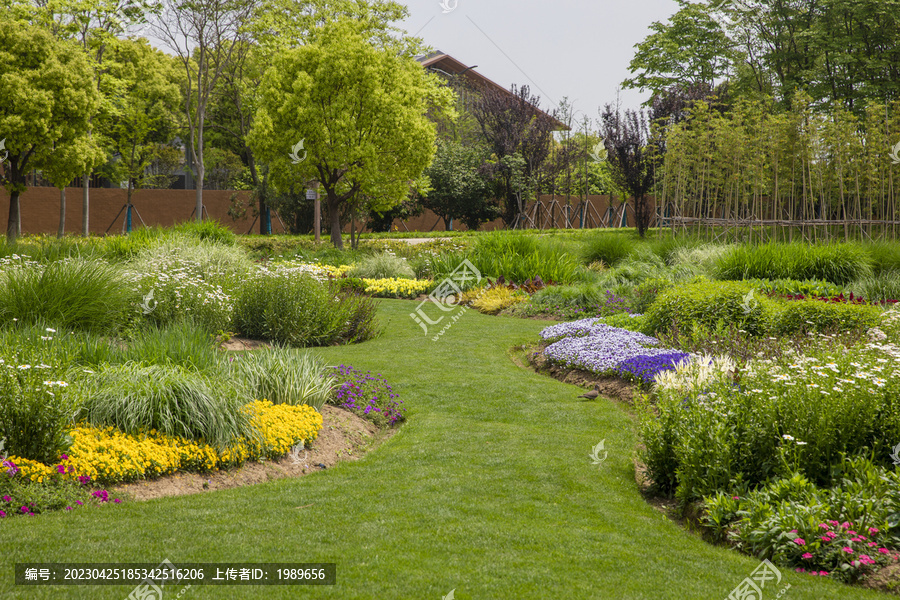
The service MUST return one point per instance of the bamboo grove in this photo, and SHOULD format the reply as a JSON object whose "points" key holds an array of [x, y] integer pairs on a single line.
{"points": [[756, 174]]}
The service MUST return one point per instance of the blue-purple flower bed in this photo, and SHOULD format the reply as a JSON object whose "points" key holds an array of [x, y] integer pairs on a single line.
{"points": [[370, 396], [643, 369], [603, 349]]}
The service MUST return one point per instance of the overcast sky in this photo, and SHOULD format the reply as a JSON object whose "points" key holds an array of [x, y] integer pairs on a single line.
{"points": [[558, 47]]}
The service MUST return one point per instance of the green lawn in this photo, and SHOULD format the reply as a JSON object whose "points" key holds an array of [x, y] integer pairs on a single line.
{"points": [[487, 489]]}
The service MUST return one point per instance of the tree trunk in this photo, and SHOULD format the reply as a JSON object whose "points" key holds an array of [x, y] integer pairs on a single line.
{"points": [[12, 225], [334, 215], [62, 212], [85, 205]]}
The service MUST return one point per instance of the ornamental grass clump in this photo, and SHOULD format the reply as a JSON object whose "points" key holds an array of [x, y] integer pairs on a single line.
{"points": [[384, 265], [70, 294], [284, 376], [296, 310], [168, 398]]}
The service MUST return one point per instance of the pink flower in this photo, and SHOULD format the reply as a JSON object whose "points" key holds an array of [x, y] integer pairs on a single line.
{"points": [[884, 550], [60, 468], [117, 501], [79, 503], [24, 509], [7, 499], [735, 497], [800, 570], [851, 532], [793, 531], [872, 530], [2, 514], [823, 525], [807, 555], [835, 523], [870, 544], [800, 541], [68, 508], [845, 525], [825, 538], [823, 573], [847, 549], [63, 457]]}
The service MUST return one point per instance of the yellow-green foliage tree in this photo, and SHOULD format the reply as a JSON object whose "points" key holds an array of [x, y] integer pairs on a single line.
{"points": [[47, 98], [360, 113]]}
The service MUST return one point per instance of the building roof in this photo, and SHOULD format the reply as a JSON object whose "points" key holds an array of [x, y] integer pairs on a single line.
{"points": [[441, 62]]}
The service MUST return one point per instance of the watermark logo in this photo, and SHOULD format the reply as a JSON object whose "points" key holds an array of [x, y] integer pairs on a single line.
{"points": [[295, 152], [146, 305], [446, 297], [152, 587], [294, 454], [895, 154], [749, 303], [751, 587], [448, 6], [896, 455], [449, 596], [598, 154], [595, 457], [4, 150]]}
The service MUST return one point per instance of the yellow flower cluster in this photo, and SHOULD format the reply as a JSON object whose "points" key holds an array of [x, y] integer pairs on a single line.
{"points": [[492, 301], [282, 426], [398, 288], [111, 456], [336, 271], [30, 469]]}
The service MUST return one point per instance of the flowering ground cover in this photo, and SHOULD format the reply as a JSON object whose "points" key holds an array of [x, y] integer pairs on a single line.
{"points": [[602, 349]]}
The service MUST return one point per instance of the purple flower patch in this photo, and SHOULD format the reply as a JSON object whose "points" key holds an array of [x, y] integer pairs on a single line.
{"points": [[645, 368], [597, 347]]}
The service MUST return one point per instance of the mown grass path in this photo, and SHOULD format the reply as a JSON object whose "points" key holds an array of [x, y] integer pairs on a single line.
{"points": [[488, 490]]}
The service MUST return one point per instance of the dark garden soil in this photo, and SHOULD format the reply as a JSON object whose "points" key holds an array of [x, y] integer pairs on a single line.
{"points": [[344, 436], [611, 388]]}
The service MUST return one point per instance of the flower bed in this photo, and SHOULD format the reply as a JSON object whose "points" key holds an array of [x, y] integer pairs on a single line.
{"points": [[369, 396], [599, 348], [111, 456]]}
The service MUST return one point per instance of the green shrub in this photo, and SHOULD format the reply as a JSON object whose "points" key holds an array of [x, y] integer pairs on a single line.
{"points": [[382, 266], [37, 404], [838, 263], [610, 248], [791, 316], [625, 321], [706, 303], [794, 287], [125, 247], [568, 295], [859, 513], [168, 398], [71, 294], [295, 309], [646, 292], [173, 289], [206, 230], [285, 376], [793, 413]]}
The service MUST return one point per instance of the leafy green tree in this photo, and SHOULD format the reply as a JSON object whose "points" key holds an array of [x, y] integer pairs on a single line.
{"points": [[458, 190], [348, 114], [205, 35], [691, 49], [144, 101], [48, 101]]}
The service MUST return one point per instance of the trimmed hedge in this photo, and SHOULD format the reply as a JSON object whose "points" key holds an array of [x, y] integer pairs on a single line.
{"points": [[740, 303]]}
